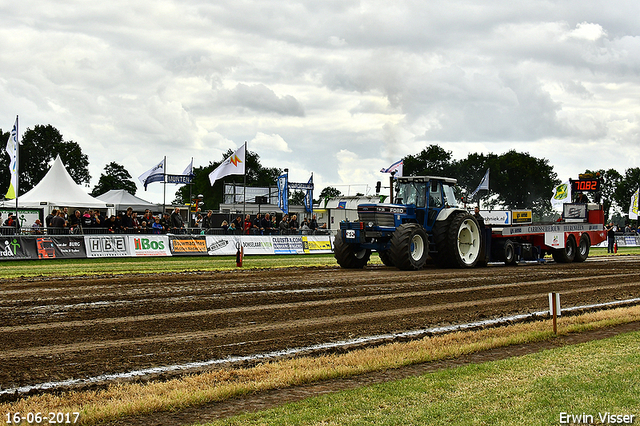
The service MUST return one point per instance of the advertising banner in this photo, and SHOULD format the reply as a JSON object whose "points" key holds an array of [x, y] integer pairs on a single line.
{"points": [[316, 243], [15, 248], [51, 247], [220, 245], [496, 217], [287, 244], [257, 245], [106, 246], [149, 245], [188, 245]]}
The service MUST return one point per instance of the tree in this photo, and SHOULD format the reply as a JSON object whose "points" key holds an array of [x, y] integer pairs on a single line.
{"points": [[39, 146], [522, 181], [256, 175], [625, 187], [115, 176], [516, 180], [432, 161], [297, 198], [611, 179], [329, 192]]}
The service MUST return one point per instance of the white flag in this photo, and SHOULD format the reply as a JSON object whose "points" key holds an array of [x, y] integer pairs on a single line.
{"points": [[12, 150], [395, 167], [155, 174], [561, 195], [484, 184], [234, 165], [633, 208], [189, 170]]}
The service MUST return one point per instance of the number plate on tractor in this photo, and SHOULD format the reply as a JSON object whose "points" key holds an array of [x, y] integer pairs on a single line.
{"points": [[350, 233]]}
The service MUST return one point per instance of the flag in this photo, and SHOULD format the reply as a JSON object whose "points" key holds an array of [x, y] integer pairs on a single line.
{"points": [[12, 150], [283, 193], [155, 174], [633, 208], [234, 165], [484, 184], [561, 195], [308, 198], [395, 167], [189, 170]]}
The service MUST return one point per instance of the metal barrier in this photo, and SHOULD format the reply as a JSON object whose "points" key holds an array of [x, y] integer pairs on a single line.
{"points": [[10, 230]]}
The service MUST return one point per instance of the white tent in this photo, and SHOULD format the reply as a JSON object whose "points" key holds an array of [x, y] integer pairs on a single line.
{"points": [[122, 200], [56, 189]]}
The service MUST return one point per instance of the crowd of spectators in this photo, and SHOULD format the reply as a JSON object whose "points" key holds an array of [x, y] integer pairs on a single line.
{"points": [[261, 224], [61, 222]]}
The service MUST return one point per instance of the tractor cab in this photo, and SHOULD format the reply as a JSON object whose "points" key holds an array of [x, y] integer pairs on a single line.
{"points": [[429, 195]]}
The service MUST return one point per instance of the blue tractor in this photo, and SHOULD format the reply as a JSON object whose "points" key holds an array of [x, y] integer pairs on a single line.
{"points": [[424, 221]]}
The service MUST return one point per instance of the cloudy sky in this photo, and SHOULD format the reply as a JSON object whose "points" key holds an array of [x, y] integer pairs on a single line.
{"points": [[336, 88]]}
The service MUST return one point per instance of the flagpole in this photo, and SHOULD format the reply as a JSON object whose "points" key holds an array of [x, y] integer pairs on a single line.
{"points": [[191, 198], [244, 188], [17, 171], [164, 189]]}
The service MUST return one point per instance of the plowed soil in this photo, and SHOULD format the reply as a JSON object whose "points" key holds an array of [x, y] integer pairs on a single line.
{"points": [[52, 330]]}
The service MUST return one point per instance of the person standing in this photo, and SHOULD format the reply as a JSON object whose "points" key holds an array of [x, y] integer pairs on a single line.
{"points": [[284, 225], [177, 223], [247, 224], [611, 237], [265, 224], [75, 223], [313, 224]]}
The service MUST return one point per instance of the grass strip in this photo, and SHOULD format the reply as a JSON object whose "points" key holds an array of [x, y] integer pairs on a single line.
{"points": [[577, 384], [138, 399], [141, 265]]}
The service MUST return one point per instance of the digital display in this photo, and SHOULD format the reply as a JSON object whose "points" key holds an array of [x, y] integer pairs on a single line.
{"points": [[585, 185]]}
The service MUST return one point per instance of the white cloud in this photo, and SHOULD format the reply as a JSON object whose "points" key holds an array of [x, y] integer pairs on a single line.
{"points": [[588, 31], [263, 142], [337, 88]]}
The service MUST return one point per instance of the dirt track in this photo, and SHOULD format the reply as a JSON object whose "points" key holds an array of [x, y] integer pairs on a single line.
{"points": [[53, 330]]}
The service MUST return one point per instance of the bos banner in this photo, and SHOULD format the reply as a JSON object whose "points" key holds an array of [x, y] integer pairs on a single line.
{"points": [[95, 246], [149, 245]]}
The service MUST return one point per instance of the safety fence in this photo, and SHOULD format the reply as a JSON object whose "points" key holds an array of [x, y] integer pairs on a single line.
{"points": [[18, 247]]}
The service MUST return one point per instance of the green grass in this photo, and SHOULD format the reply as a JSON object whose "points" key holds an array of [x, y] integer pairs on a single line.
{"points": [[145, 265], [594, 377]]}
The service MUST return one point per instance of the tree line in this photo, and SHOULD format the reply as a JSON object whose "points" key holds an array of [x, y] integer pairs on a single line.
{"points": [[517, 180]]}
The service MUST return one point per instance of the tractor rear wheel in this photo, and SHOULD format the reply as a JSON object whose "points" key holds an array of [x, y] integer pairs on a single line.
{"points": [[350, 256], [458, 241], [409, 247]]}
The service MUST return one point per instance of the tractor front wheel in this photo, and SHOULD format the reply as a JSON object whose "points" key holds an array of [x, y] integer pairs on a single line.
{"points": [[409, 247], [350, 256]]}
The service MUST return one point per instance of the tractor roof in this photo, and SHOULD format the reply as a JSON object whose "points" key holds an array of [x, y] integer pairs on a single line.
{"points": [[407, 179]]}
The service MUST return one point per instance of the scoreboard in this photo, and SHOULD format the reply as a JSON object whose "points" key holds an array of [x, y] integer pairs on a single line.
{"points": [[585, 185]]}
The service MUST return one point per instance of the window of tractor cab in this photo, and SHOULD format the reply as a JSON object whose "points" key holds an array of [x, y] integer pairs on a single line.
{"points": [[411, 193], [450, 196]]}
